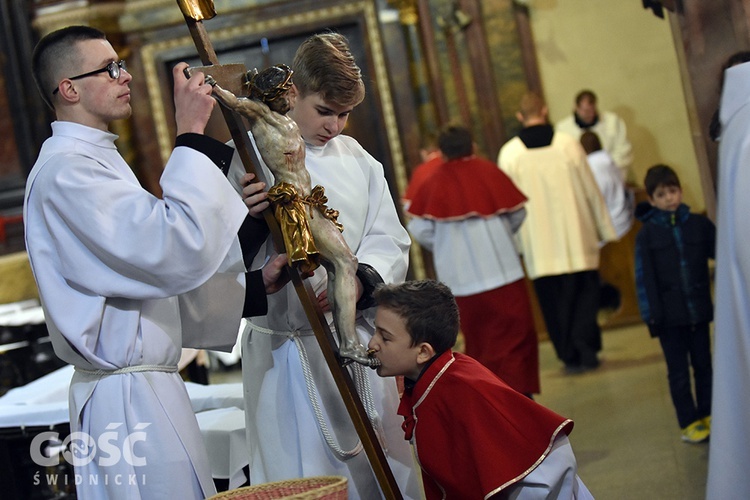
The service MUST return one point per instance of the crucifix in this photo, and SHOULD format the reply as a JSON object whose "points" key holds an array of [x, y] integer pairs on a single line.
{"points": [[230, 77]]}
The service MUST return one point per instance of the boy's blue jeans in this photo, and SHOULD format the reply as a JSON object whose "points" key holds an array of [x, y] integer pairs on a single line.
{"points": [[686, 346]]}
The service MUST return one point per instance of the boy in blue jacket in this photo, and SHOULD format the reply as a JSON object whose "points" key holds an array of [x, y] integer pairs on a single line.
{"points": [[672, 250]]}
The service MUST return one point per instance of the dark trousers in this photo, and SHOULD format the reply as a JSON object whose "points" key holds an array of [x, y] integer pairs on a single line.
{"points": [[569, 304], [684, 346]]}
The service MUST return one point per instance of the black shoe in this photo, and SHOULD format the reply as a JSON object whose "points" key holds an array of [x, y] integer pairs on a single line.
{"points": [[590, 366], [574, 369], [609, 297]]}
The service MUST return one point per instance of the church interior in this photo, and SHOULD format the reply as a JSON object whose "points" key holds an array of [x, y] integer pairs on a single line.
{"points": [[426, 63]]}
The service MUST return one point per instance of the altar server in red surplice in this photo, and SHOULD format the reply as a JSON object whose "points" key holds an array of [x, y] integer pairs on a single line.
{"points": [[474, 436], [466, 214]]}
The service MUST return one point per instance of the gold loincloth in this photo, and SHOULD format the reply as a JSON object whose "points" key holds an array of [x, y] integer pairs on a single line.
{"points": [[290, 213]]}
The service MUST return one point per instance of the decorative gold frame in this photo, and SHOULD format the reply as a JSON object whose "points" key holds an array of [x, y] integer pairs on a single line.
{"points": [[363, 9], [366, 9]]}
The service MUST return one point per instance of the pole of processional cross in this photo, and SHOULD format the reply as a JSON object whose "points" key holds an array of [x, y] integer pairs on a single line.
{"points": [[195, 11]]}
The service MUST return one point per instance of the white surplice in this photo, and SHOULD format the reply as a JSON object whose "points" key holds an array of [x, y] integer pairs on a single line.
{"points": [[613, 134], [729, 451], [285, 437], [485, 246], [556, 477], [619, 199], [109, 259]]}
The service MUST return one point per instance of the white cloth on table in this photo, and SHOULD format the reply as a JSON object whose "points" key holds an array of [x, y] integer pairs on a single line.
{"points": [[223, 432], [26, 312], [41, 402], [218, 407], [212, 396], [30, 404]]}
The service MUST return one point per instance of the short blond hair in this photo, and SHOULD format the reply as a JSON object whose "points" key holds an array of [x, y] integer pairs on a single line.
{"points": [[325, 65]]}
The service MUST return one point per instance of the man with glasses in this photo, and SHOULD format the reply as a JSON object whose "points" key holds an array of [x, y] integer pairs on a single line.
{"points": [[112, 68], [125, 276]]}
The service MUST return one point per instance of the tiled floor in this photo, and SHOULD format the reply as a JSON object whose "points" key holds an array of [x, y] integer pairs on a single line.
{"points": [[626, 436]]}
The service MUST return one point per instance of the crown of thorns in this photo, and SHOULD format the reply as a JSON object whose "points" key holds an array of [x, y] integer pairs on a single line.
{"points": [[269, 84]]}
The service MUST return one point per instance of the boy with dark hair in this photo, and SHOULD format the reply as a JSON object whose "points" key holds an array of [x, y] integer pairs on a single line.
{"points": [[674, 294], [474, 436]]}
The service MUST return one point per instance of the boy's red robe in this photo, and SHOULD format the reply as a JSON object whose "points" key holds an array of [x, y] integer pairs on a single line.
{"points": [[462, 188], [473, 434], [420, 175]]}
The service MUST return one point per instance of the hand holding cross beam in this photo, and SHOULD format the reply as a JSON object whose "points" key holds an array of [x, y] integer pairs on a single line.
{"points": [[193, 102]]}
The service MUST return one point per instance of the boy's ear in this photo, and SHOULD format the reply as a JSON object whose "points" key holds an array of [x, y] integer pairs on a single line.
{"points": [[425, 352], [293, 93], [651, 201]]}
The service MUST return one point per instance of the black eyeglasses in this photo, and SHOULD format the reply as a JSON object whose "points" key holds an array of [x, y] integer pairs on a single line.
{"points": [[112, 68]]}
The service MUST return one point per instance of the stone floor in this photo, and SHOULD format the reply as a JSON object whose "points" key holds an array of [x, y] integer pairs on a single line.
{"points": [[626, 437]]}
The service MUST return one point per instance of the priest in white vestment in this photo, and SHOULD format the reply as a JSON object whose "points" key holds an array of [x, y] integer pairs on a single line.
{"points": [[729, 449]]}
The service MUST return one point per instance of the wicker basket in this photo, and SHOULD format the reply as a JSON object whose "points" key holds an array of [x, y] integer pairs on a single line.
{"points": [[308, 488]]}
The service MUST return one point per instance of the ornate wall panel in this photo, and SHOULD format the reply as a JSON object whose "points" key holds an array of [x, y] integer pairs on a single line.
{"points": [[261, 37]]}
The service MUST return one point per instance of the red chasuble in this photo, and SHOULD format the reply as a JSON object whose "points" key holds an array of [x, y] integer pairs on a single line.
{"points": [[473, 434], [463, 188]]}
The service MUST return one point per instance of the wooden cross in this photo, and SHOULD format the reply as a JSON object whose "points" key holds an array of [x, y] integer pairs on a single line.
{"points": [[230, 77]]}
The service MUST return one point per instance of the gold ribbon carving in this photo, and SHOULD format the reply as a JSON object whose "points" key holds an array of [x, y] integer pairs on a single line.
{"points": [[290, 212]]}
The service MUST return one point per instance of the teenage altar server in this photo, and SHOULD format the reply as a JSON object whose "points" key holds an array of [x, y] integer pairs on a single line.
{"points": [[122, 274]]}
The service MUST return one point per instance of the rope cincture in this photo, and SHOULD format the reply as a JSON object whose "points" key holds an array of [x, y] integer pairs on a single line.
{"points": [[130, 369], [361, 383]]}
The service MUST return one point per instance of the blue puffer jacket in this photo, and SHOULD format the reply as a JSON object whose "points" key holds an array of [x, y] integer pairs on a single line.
{"points": [[672, 250]]}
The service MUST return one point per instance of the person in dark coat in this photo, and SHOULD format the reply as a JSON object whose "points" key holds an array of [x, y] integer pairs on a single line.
{"points": [[672, 251]]}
